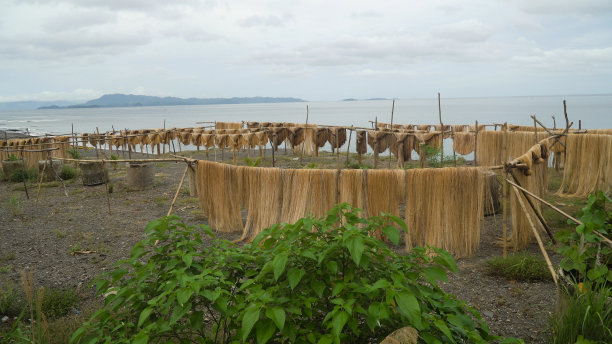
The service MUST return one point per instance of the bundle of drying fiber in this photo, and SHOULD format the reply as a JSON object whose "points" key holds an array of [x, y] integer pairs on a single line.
{"points": [[381, 125], [236, 141], [117, 141], [401, 144], [185, 137], [513, 127], [245, 131], [351, 187], [265, 124], [558, 145], [463, 142], [444, 208], [320, 137], [295, 194], [263, 199], [252, 125], [277, 124], [278, 135], [207, 140], [446, 130], [459, 128], [251, 140], [490, 145], [378, 140], [308, 146], [154, 138], [433, 139], [296, 135], [219, 191], [337, 137], [228, 125], [361, 142], [588, 166], [322, 190], [196, 140], [262, 138], [383, 192], [423, 127], [600, 131], [480, 127], [521, 234], [221, 140], [187, 130]]}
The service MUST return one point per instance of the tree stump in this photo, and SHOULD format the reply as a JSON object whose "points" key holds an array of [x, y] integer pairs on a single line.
{"points": [[11, 166], [51, 173], [93, 173], [140, 176]]}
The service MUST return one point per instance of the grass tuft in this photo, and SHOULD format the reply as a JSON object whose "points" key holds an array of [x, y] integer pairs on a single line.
{"points": [[519, 266]]}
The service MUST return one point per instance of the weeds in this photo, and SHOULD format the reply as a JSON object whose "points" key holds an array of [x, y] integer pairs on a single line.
{"points": [[29, 174], [12, 300], [74, 153], [15, 206], [68, 172], [519, 266]]}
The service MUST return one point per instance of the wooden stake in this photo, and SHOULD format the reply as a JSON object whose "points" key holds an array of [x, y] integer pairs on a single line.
{"points": [[535, 130], [537, 235], [454, 153], [504, 159], [392, 110], [337, 147], [535, 211], [348, 146], [178, 190], [303, 143], [442, 130], [476, 145], [23, 175], [40, 181]]}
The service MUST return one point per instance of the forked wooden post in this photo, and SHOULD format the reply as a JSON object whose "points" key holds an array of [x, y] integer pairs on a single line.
{"points": [[535, 130], [476, 145], [442, 130], [504, 159], [348, 146], [23, 175], [537, 235], [42, 175]]}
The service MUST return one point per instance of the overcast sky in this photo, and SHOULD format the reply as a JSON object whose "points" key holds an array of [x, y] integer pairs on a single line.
{"points": [[315, 50]]}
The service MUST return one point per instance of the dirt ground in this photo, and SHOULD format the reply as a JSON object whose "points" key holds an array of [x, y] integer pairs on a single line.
{"points": [[47, 237]]}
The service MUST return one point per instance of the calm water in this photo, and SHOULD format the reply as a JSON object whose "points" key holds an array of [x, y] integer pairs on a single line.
{"points": [[594, 111]]}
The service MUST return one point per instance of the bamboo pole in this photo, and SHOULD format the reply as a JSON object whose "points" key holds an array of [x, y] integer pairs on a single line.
{"points": [[536, 212], [392, 110], [476, 145], [348, 146], [537, 235], [42, 175], [505, 190], [442, 130], [178, 190], [23, 175]]}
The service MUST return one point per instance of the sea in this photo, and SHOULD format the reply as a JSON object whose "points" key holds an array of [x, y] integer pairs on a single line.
{"points": [[593, 112]]}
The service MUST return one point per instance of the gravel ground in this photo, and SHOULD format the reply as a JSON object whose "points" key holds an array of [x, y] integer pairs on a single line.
{"points": [[42, 236]]}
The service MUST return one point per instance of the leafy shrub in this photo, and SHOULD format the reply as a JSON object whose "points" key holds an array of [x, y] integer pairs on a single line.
{"points": [[12, 300], [587, 316], [59, 302], [74, 153], [12, 157], [316, 281], [68, 172], [251, 162], [519, 266], [30, 174]]}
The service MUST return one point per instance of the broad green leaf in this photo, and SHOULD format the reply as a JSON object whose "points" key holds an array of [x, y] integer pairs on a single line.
{"points": [[435, 273], [277, 314], [294, 275], [356, 247], [338, 322], [337, 289], [318, 287], [279, 263], [392, 233], [141, 338], [144, 315], [441, 325], [265, 330], [179, 312], [183, 295], [188, 258], [137, 251], [409, 305], [251, 315]]}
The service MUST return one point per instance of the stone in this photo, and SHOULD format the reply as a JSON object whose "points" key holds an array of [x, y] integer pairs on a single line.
{"points": [[404, 335]]}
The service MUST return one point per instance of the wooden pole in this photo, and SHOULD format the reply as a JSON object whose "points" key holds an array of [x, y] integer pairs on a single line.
{"points": [[537, 235], [304, 143], [272, 145], [566, 129], [23, 175], [178, 190], [554, 122], [442, 130], [454, 153], [535, 211], [40, 180], [505, 190], [348, 146], [392, 110], [535, 130], [476, 145]]}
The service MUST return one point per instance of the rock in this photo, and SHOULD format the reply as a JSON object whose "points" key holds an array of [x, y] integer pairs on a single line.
{"points": [[488, 314], [5, 319], [405, 335]]}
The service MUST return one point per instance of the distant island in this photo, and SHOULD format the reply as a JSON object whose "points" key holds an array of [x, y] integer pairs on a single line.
{"points": [[130, 100]]}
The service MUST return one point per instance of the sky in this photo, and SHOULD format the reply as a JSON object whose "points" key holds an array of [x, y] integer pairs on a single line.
{"points": [[314, 50]]}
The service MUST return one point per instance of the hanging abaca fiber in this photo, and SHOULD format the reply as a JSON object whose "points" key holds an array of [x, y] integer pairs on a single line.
{"points": [[220, 192], [446, 130], [513, 127], [600, 131], [459, 128], [384, 190], [322, 191], [463, 142], [588, 165], [296, 136], [252, 125], [264, 199], [433, 139], [277, 136], [320, 137], [221, 140], [337, 137], [361, 142], [378, 141], [236, 141], [401, 146], [351, 187], [480, 127], [262, 138], [185, 137], [296, 189], [228, 125], [444, 208], [423, 127], [490, 145]]}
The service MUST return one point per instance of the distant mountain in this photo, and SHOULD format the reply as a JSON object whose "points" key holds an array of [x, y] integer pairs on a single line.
{"points": [[32, 105], [128, 100]]}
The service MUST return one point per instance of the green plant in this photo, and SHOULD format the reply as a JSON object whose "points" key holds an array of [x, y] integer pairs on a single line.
{"points": [[59, 302], [311, 165], [29, 174], [12, 300], [316, 281], [74, 153], [15, 206], [12, 157], [253, 163], [355, 165], [68, 172], [519, 266]]}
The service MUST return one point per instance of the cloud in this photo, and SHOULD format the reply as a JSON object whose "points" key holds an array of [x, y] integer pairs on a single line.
{"points": [[575, 61], [270, 20], [555, 7], [77, 94]]}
